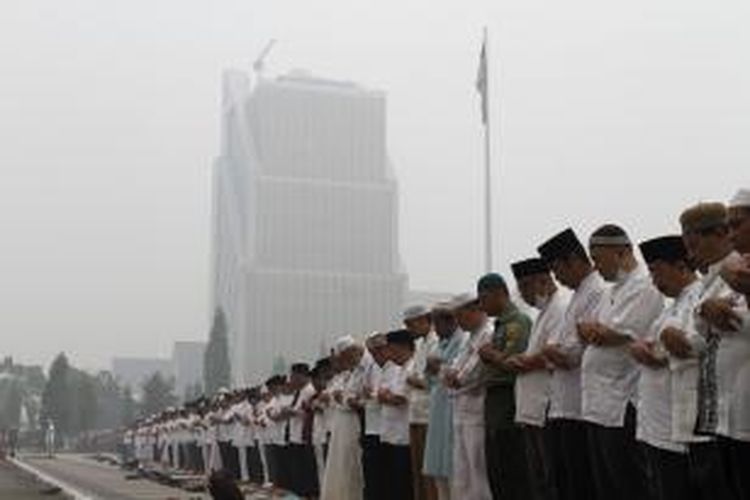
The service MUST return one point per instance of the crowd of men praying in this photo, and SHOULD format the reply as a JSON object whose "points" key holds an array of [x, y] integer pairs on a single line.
{"points": [[631, 382]]}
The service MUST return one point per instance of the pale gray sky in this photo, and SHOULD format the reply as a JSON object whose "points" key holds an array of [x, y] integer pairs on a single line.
{"points": [[607, 111]]}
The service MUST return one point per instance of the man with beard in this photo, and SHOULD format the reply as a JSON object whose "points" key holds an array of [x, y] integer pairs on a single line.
{"points": [[608, 374]]}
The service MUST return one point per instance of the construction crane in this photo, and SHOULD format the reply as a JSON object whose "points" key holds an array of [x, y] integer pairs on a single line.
{"points": [[259, 64]]}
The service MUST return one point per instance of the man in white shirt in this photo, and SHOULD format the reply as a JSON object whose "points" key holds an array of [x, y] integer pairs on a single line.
{"points": [[464, 379], [609, 374], [394, 434], [707, 238], [372, 460], [571, 469], [303, 474], [273, 436], [658, 390], [320, 406], [738, 220], [343, 477], [418, 321], [537, 288]]}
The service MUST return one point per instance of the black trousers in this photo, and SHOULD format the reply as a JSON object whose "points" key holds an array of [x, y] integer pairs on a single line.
{"points": [[670, 476], [399, 484], [504, 446], [194, 457], [302, 470], [372, 465], [541, 484], [284, 467], [181, 456], [708, 469], [738, 456], [230, 459], [617, 461], [567, 442], [254, 465], [271, 460]]}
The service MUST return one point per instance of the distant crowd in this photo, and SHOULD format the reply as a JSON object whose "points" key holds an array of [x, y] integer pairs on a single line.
{"points": [[634, 383]]}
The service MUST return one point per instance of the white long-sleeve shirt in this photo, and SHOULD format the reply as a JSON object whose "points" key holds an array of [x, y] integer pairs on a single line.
{"points": [[664, 393], [732, 357], [419, 399], [609, 375], [468, 401], [533, 388], [565, 395]]}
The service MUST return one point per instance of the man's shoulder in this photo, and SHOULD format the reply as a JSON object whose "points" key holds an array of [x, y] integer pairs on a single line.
{"points": [[517, 319]]}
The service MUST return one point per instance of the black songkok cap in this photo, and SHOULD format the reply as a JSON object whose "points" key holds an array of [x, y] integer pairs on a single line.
{"points": [[529, 267], [665, 248], [401, 337], [301, 369], [323, 364], [561, 245]]}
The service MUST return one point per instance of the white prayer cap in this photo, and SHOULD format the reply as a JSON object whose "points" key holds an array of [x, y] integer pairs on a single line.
{"points": [[343, 343], [223, 391], [463, 300], [740, 199], [415, 311]]}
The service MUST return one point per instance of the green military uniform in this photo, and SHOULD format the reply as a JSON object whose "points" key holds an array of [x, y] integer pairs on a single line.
{"points": [[504, 449]]}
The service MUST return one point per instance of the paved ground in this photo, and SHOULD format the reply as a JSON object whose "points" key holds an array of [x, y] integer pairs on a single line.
{"points": [[99, 481], [16, 484], [95, 480]]}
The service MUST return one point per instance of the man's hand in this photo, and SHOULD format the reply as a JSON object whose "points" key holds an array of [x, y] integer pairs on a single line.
{"points": [[556, 356], [450, 379], [643, 352], [737, 274], [518, 363], [719, 314], [488, 353], [433, 365], [416, 382], [384, 396], [676, 343], [599, 335], [586, 332], [338, 396]]}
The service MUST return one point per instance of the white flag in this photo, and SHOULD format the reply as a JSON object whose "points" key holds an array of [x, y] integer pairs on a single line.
{"points": [[481, 83]]}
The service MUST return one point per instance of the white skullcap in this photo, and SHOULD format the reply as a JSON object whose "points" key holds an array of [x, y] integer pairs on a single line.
{"points": [[740, 199], [343, 343], [415, 311]]}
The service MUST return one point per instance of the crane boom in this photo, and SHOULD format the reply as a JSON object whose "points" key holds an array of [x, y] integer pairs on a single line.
{"points": [[259, 63]]}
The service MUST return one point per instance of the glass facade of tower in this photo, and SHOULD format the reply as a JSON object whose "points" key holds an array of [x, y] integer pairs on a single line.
{"points": [[305, 220]]}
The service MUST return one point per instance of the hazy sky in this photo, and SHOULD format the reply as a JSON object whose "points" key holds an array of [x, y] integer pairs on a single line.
{"points": [[604, 111]]}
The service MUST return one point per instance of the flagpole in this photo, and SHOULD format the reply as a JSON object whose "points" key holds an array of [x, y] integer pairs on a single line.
{"points": [[488, 264]]}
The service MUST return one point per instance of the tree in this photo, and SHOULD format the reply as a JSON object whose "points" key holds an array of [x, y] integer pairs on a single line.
{"points": [[279, 365], [128, 407], [109, 401], [11, 400], [158, 394], [193, 392], [216, 369], [55, 403], [82, 401]]}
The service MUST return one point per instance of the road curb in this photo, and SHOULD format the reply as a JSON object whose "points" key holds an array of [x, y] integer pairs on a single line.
{"points": [[66, 488]]}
